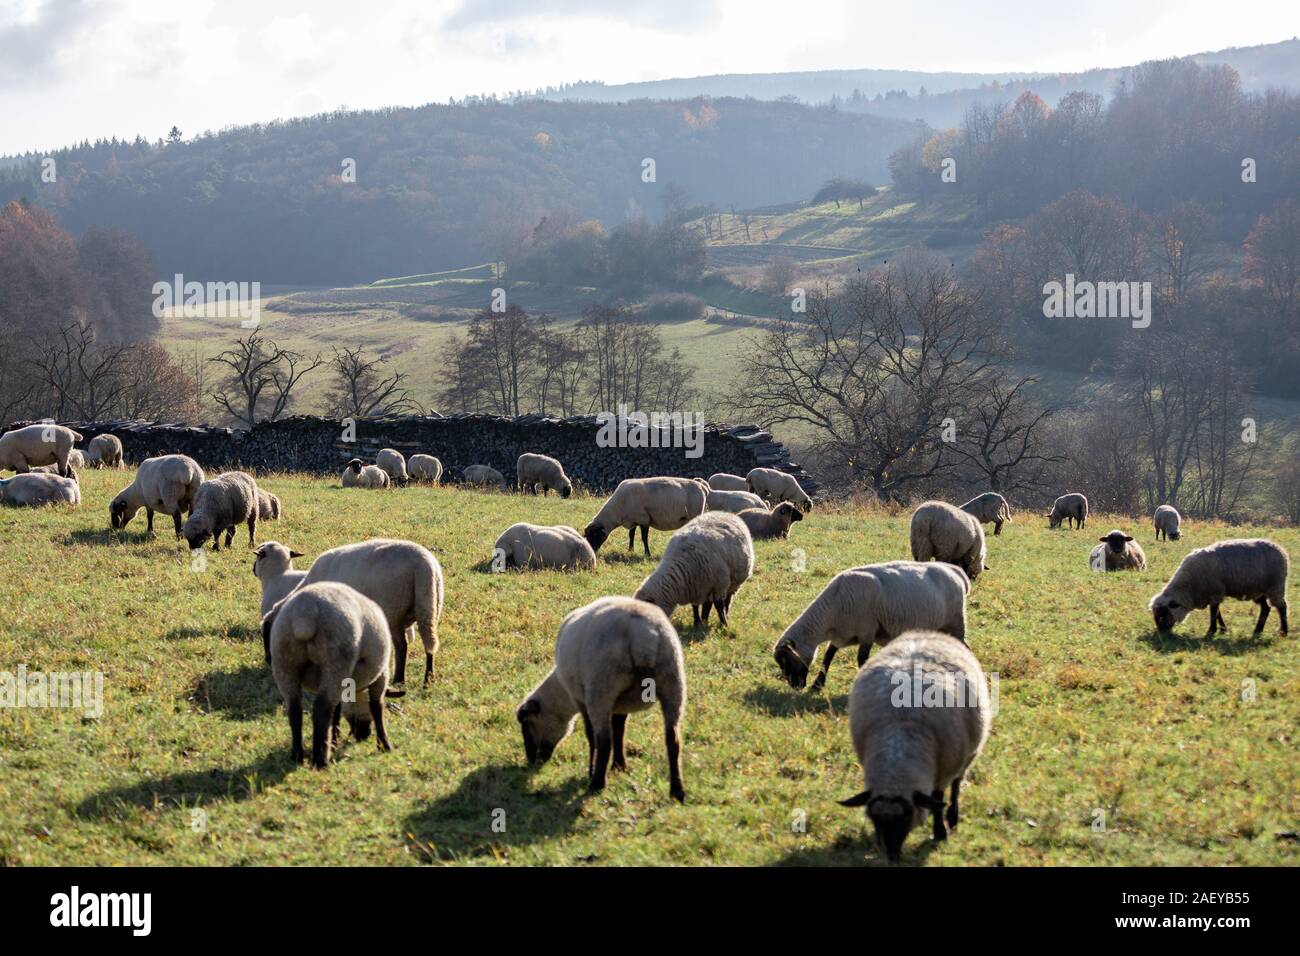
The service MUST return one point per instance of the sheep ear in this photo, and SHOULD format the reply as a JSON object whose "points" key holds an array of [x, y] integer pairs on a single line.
{"points": [[857, 800], [296, 554], [1103, 540], [1128, 537], [926, 801]]}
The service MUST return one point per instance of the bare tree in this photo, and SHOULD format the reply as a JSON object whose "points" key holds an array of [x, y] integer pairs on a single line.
{"points": [[86, 379], [261, 378], [361, 388], [1002, 437]]}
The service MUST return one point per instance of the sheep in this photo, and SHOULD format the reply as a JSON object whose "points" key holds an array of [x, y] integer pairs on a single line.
{"points": [[776, 486], [403, 578], [532, 471], [1168, 522], [222, 503], [424, 468], [919, 714], [614, 656], [948, 534], [357, 474], [725, 482], [1072, 508], [873, 604], [41, 444], [703, 565], [76, 461], [1117, 552], [323, 636], [30, 490], [167, 483], [483, 476], [733, 501], [533, 547], [105, 451], [664, 504], [771, 524], [268, 506], [392, 463], [989, 507], [273, 566], [1248, 569]]}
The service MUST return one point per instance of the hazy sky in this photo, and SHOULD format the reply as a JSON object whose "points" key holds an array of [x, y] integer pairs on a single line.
{"points": [[81, 69]]}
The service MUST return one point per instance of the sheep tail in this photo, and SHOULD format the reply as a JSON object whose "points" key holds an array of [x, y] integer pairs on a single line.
{"points": [[304, 624]]}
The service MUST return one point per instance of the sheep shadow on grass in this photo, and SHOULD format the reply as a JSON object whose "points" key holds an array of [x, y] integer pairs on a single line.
{"points": [[860, 851], [245, 694], [242, 631], [460, 825], [1174, 643], [190, 788], [784, 701], [107, 537]]}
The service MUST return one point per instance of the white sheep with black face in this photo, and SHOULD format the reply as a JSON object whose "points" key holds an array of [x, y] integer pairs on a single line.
{"points": [[533, 471], [1117, 552], [989, 507], [221, 505], [534, 547], [733, 501], [1247, 569], [167, 483], [424, 468], [22, 449], [777, 486], [392, 463], [273, 567], [32, 490], [943, 533], [357, 474], [663, 503], [1168, 522], [771, 524], [703, 565], [722, 481], [1072, 509]]}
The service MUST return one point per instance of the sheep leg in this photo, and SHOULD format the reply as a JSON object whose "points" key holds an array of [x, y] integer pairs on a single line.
{"points": [[294, 707], [672, 709], [645, 539], [829, 656], [722, 612], [591, 742], [176, 520], [252, 530], [1223, 625], [399, 651], [377, 717], [619, 722], [939, 832], [863, 651], [1263, 616], [1281, 613], [322, 715], [997, 527], [705, 608], [230, 536], [952, 803], [604, 743], [148, 523], [1214, 620], [336, 733], [631, 537]]}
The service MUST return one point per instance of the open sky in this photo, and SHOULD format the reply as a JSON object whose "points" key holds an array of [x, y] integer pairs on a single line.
{"points": [[83, 69]]}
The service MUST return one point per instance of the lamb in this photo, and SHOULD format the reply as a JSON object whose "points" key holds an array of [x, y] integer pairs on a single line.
{"points": [[41, 444], [273, 566], [76, 461], [913, 748], [222, 503], [776, 486], [357, 474], [105, 451], [733, 501], [268, 506], [989, 507], [664, 504], [403, 578], [704, 565], [533, 470], [614, 656], [483, 476], [948, 534], [1117, 552], [424, 468], [873, 604], [392, 463], [167, 483], [725, 482], [1072, 508], [534, 547], [771, 524], [323, 636], [31, 490], [1168, 522], [1248, 569]]}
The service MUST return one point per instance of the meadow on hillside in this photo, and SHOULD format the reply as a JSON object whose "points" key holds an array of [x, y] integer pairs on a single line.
{"points": [[1112, 745]]}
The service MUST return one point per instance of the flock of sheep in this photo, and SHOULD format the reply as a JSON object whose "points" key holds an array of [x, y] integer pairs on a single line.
{"points": [[333, 629]]}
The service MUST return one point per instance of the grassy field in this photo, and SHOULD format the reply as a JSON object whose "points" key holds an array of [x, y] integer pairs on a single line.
{"points": [[1099, 720]]}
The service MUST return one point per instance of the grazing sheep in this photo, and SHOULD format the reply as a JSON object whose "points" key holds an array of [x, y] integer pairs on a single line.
{"points": [[424, 468], [273, 566], [391, 462], [221, 504], [1072, 508], [613, 657], [912, 748], [533, 547], [1248, 569], [948, 534], [771, 524], [321, 636], [104, 451], [989, 507], [403, 578], [40, 489], [703, 565], [45, 444], [1168, 522], [664, 504], [357, 474], [1117, 552], [733, 501], [268, 506], [483, 476], [533, 470], [725, 482], [869, 605], [76, 461], [776, 486], [167, 483]]}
